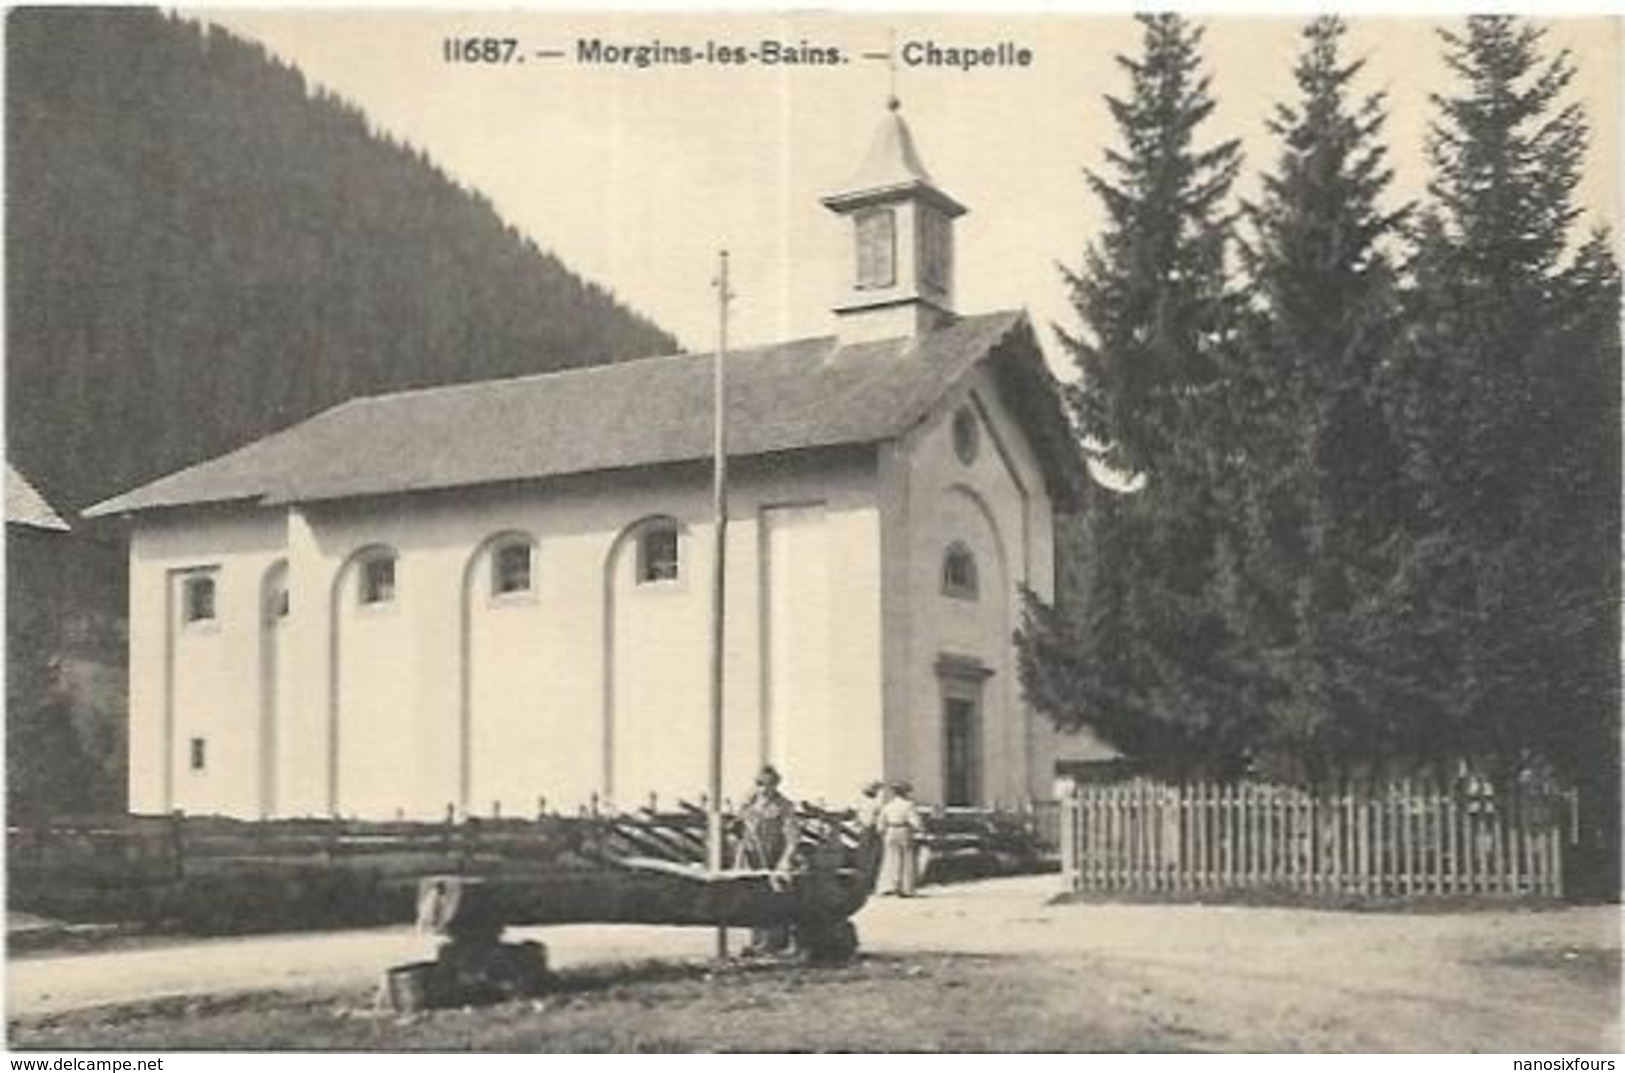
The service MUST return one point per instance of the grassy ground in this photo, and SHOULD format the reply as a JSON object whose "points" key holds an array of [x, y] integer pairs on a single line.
{"points": [[990, 966], [879, 1003]]}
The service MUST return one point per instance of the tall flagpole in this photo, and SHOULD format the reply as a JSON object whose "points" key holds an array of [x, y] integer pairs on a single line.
{"points": [[719, 576]]}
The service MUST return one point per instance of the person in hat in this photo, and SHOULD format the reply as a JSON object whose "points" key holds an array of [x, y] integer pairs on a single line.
{"points": [[875, 796], [870, 850], [900, 827], [769, 833]]}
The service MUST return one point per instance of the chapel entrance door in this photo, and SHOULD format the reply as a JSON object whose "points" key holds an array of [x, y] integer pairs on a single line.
{"points": [[962, 750]]}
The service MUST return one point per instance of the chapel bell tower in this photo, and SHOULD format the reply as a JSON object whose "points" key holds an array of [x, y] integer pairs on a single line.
{"points": [[900, 277]]}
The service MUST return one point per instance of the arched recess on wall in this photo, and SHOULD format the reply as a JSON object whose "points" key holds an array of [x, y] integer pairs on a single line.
{"points": [[976, 662], [965, 493], [478, 587], [624, 568], [274, 610], [344, 595]]}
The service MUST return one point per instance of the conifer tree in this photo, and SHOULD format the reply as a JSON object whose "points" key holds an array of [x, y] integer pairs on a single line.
{"points": [[45, 763], [1136, 645], [1314, 490], [1505, 594]]}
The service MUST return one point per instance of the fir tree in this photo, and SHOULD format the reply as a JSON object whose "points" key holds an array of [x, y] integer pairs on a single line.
{"points": [[45, 763], [1314, 482], [1136, 647], [1506, 595]]}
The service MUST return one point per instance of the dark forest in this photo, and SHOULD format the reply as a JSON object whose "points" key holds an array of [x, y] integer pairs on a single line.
{"points": [[202, 248]]}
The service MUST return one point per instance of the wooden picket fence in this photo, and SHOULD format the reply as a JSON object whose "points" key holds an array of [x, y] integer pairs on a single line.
{"points": [[1402, 841]]}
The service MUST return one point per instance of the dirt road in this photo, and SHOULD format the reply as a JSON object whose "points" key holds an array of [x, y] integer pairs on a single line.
{"points": [[1237, 978]]}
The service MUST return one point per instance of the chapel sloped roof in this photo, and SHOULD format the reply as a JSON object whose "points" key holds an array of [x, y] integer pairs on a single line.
{"points": [[25, 506], [809, 393]]}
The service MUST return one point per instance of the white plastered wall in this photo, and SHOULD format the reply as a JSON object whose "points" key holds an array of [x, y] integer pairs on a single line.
{"points": [[999, 507], [448, 698], [198, 680]]}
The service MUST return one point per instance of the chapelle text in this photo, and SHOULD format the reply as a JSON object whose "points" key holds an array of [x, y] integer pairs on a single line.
{"points": [[966, 58]]}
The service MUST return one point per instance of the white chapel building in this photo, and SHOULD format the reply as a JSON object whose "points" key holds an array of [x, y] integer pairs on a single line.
{"points": [[488, 595]]}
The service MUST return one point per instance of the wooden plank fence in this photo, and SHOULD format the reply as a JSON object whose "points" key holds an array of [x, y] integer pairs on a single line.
{"points": [[157, 849], [165, 849], [1145, 836], [215, 875]]}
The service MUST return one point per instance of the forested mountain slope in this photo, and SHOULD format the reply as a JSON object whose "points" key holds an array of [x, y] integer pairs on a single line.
{"points": [[200, 249]]}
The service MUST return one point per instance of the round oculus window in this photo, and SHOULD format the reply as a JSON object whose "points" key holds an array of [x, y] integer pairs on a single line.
{"points": [[967, 435]]}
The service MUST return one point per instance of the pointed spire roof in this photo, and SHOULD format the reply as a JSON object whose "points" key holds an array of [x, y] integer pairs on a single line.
{"points": [[892, 167]]}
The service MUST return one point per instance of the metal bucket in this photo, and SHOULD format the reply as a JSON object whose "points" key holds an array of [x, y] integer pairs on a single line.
{"points": [[406, 987]]}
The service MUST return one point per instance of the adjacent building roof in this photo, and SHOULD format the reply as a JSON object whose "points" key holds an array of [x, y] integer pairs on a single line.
{"points": [[811, 393], [25, 506]]}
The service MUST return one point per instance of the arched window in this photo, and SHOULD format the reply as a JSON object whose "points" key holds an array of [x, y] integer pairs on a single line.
{"points": [[959, 573], [511, 568], [658, 550], [274, 592], [198, 603], [967, 435], [377, 579]]}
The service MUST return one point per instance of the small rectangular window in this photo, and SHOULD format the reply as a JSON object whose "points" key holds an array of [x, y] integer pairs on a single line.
{"points": [[877, 248], [197, 598], [378, 581], [936, 251], [511, 570], [657, 556], [199, 756]]}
